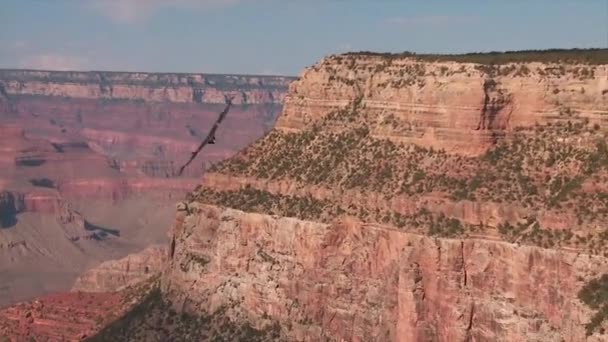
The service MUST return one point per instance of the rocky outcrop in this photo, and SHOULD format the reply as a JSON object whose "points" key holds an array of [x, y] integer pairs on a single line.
{"points": [[459, 107], [344, 145], [365, 282], [35, 201], [59, 317], [72, 316], [115, 275]]}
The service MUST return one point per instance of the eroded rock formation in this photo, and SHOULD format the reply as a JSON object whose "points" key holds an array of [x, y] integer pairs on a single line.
{"points": [[365, 282], [115, 275], [459, 107]]}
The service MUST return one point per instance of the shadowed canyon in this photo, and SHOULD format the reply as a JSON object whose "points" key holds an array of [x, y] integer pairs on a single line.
{"points": [[397, 197]]}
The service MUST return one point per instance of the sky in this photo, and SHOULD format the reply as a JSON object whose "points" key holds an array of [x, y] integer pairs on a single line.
{"points": [[278, 36]]}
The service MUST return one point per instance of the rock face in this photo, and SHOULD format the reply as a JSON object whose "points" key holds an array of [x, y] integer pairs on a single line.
{"points": [[537, 179], [115, 275], [350, 281], [58, 317], [428, 201], [72, 316], [459, 107]]}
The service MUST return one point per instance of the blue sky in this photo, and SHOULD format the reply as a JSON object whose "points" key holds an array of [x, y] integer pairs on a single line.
{"points": [[278, 36]]}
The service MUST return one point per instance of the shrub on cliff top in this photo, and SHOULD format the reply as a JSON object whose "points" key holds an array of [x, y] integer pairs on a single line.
{"points": [[595, 295], [584, 56]]}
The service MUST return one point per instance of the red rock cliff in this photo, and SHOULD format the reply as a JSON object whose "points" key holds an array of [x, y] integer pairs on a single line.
{"points": [[459, 107], [402, 199], [465, 229], [350, 281]]}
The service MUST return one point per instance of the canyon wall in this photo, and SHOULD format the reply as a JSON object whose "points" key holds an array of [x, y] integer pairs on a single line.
{"points": [[399, 199], [459, 107], [351, 281]]}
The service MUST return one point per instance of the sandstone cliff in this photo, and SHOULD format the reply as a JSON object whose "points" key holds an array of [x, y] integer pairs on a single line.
{"points": [[342, 145], [351, 281], [408, 199], [463, 154], [459, 107]]}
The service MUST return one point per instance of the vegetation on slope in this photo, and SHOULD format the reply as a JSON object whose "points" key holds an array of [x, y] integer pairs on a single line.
{"points": [[539, 168], [307, 208], [584, 56], [595, 295], [253, 200]]}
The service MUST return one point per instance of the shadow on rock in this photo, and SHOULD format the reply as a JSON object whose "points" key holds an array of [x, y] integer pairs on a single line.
{"points": [[8, 210], [101, 231]]}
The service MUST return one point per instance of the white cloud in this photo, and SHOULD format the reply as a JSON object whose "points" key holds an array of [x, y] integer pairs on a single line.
{"points": [[134, 11], [52, 61], [20, 44], [432, 20], [266, 71]]}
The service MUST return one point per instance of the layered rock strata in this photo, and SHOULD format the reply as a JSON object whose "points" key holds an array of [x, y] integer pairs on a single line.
{"points": [[352, 281]]}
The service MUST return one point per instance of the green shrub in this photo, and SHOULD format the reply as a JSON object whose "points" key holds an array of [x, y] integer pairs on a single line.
{"points": [[595, 295]]}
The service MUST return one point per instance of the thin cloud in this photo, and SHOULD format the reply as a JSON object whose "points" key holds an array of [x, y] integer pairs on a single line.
{"points": [[432, 20], [268, 71], [20, 44], [52, 61], [136, 11]]}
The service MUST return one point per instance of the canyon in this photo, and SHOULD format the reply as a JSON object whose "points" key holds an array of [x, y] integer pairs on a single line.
{"points": [[398, 197], [88, 163]]}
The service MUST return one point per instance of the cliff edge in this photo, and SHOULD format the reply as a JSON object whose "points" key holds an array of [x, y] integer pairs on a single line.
{"points": [[408, 198]]}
